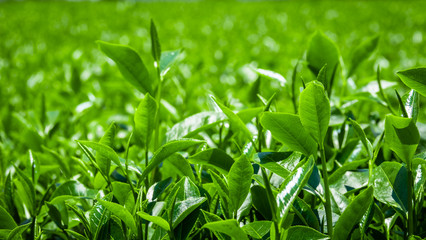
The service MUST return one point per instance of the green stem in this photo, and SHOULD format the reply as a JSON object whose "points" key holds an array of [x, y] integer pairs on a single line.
{"points": [[327, 193], [157, 114], [410, 201]]}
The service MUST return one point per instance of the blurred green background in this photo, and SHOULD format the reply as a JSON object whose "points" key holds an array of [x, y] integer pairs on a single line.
{"points": [[49, 61]]}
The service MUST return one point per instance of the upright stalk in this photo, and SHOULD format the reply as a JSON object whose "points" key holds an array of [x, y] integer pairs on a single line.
{"points": [[157, 114], [327, 193]]}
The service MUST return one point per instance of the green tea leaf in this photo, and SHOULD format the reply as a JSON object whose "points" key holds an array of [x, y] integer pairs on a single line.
{"points": [[271, 75], [269, 161], [130, 65], [222, 189], [260, 201], [402, 136], [194, 124], [183, 209], [155, 43], [321, 51], [304, 210], [156, 220], [303, 232], [167, 59], [383, 188], [362, 52], [6, 221], [257, 229], [71, 189], [228, 227], [167, 150], [363, 138], [236, 123], [314, 110], [322, 76], [293, 184], [215, 158], [76, 235], [353, 214], [26, 191], [144, 120], [239, 181], [157, 189], [411, 104], [288, 129], [414, 78], [181, 165], [16, 233], [120, 212], [186, 189], [108, 154], [55, 215]]}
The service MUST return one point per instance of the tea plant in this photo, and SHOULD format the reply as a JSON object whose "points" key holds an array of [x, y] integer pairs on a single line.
{"points": [[314, 170]]}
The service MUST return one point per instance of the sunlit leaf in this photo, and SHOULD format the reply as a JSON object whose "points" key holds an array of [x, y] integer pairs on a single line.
{"points": [[293, 184]]}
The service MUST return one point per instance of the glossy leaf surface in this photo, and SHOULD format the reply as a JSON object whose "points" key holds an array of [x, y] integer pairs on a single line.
{"points": [[293, 184]]}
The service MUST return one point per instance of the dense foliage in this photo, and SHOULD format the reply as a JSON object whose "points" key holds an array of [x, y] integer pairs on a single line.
{"points": [[244, 125]]}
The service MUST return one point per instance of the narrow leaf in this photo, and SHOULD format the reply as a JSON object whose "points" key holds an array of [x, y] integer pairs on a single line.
{"points": [[155, 43]]}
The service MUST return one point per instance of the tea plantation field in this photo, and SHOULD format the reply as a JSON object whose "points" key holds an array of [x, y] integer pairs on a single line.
{"points": [[212, 120]]}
